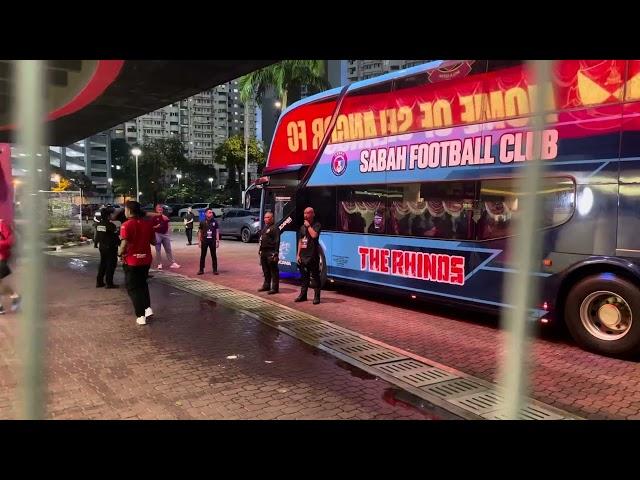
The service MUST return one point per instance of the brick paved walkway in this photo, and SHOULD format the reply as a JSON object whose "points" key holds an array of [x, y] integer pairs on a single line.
{"points": [[197, 360]]}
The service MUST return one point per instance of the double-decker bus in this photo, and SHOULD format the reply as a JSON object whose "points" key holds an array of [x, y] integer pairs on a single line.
{"points": [[413, 176]]}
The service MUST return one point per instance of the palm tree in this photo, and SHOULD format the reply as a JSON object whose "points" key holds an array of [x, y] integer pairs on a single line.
{"points": [[283, 77]]}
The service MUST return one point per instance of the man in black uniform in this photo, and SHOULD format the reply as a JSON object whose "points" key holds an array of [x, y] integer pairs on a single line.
{"points": [[209, 238], [107, 241], [308, 257], [268, 249], [188, 225]]}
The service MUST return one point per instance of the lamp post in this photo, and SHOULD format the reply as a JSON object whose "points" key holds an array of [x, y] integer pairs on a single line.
{"points": [[110, 180], [179, 177], [246, 152], [136, 153], [211, 184]]}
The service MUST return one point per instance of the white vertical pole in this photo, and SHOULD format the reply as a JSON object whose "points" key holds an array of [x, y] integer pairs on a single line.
{"points": [[30, 118], [521, 290]]}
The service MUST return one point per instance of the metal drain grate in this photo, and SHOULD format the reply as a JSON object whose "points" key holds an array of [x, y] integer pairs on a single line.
{"points": [[480, 402], [455, 388], [286, 317], [416, 373], [366, 352], [314, 330], [374, 357], [341, 341], [530, 412]]}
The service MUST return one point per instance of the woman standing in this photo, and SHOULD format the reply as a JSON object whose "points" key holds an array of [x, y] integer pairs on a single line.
{"points": [[137, 236]]}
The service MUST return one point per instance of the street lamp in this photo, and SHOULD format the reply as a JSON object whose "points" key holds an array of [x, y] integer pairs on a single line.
{"points": [[110, 180], [179, 176], [211, 183], [136, 153], [277, 104]]}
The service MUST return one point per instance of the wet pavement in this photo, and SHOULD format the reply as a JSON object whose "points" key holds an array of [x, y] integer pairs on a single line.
{"points": [[196, 360], [562, 375]]}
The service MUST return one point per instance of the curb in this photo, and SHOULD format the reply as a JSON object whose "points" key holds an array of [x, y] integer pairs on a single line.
{"points": [[57, 248]]}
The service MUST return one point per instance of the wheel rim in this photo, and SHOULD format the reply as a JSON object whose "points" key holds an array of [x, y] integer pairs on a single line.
{"points": [[245, 235], [606, 315]]}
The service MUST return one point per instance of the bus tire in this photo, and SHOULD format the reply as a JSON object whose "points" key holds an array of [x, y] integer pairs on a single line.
{"points": [[602, 314]]}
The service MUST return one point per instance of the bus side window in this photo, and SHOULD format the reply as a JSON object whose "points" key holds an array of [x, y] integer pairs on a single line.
{"points": [[500, 206], [433, 209]]}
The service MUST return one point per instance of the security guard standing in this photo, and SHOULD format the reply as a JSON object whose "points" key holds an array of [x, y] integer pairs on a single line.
{"points": [[308, 256], [268, 250], [107, 241]]}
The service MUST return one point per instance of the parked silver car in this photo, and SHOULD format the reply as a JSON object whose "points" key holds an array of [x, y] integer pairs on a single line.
{"points": [[196, 207], [240, 223]]}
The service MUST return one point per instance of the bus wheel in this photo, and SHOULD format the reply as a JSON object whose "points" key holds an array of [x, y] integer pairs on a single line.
{"points": [[599, 313]]}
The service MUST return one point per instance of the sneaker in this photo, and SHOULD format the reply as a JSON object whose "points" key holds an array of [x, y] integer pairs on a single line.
{"points": [[15, 303], [272, 292], [99, 285], [148, 312], [159, 266], [113, 286], [263, 289], [1, 310], [215, 272], [174, 265], [141, 320], [200, 272]]}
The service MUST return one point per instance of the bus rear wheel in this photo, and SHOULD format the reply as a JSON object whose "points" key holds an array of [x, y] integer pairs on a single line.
{"points": [[602, 313]]}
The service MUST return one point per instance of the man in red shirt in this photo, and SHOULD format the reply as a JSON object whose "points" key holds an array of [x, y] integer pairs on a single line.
{"points": [[6, 242], [161, 227], [137, 236]]}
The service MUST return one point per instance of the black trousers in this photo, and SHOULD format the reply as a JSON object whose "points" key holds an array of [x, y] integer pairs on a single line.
{"points": [[189, 232], [211, 245], [270, 271], [137, 288], [310, 270], [108, 263]]}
